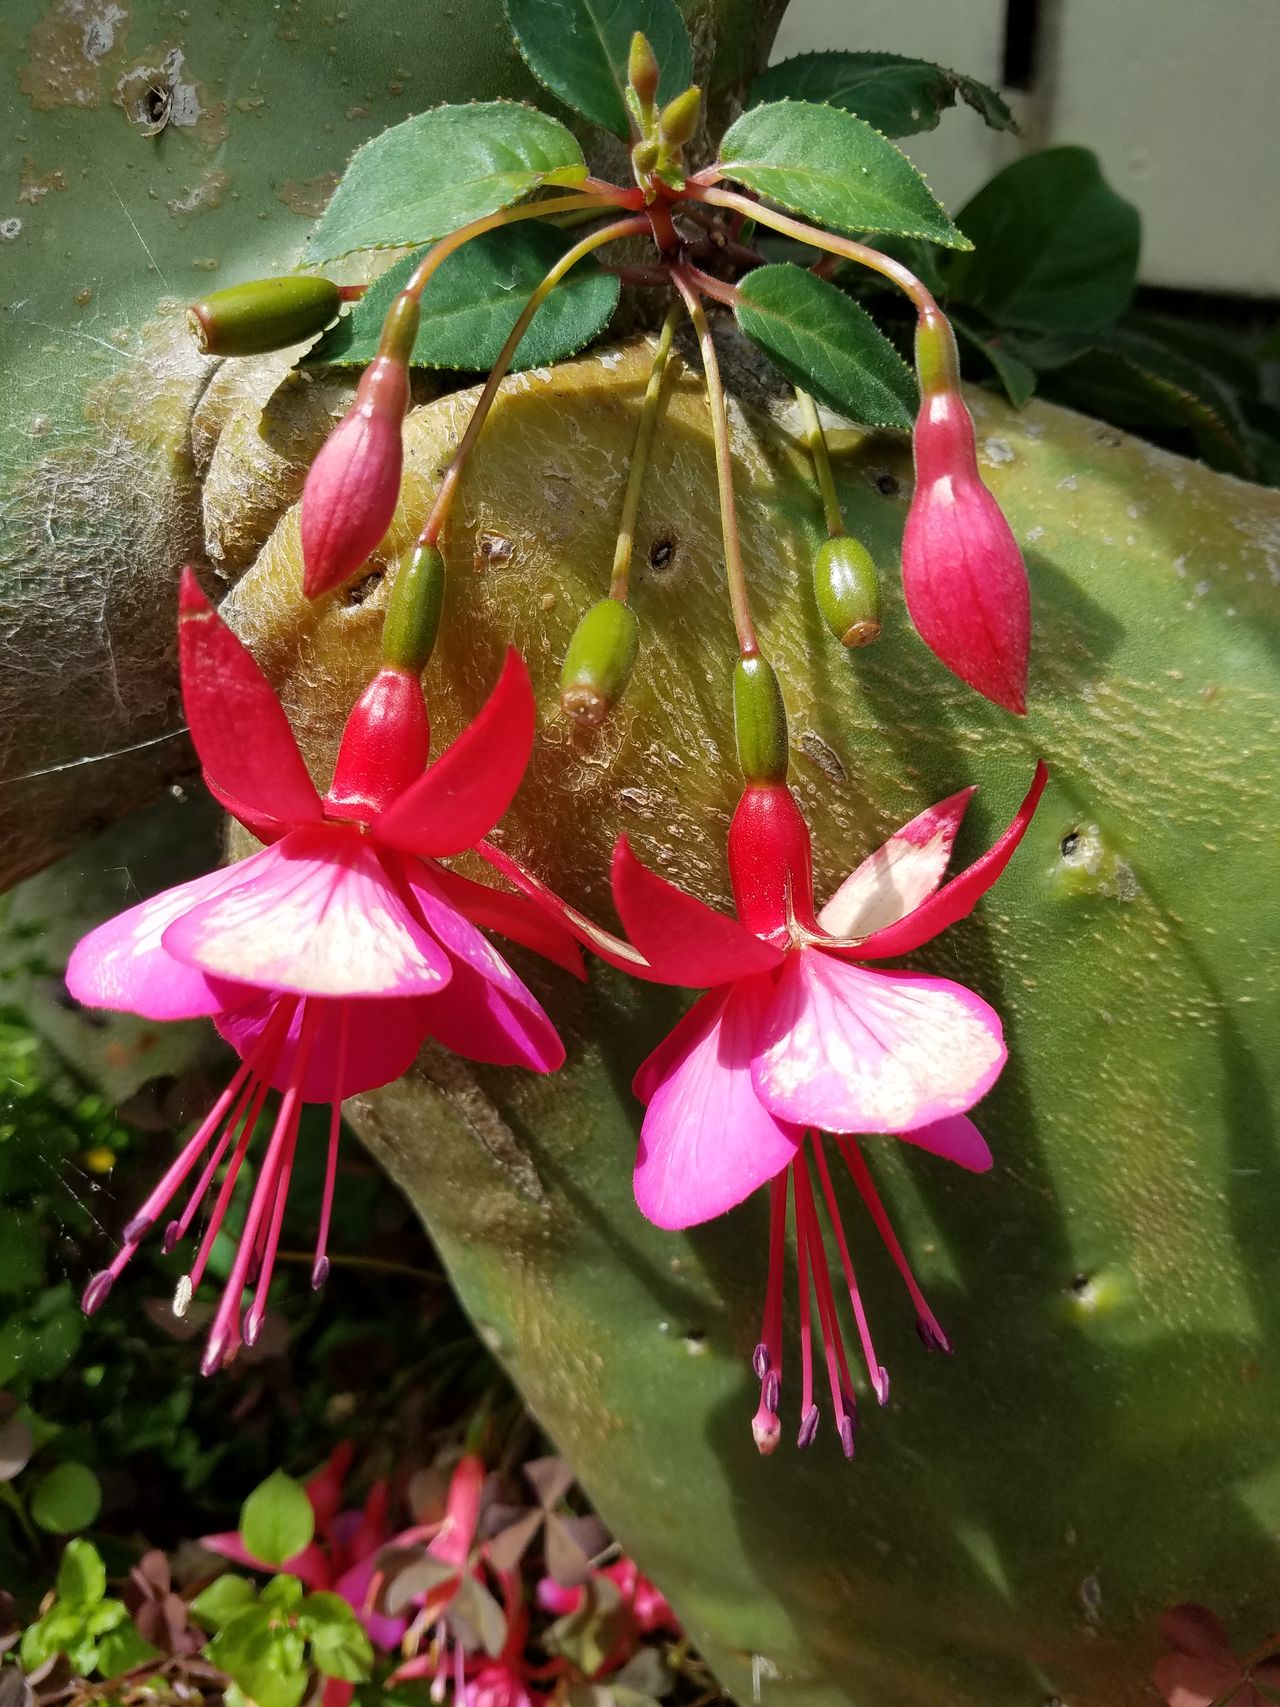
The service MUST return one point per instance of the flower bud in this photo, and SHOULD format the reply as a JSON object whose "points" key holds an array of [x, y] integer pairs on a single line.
{"points": [[599, 662], [642, 70], [847, 589], [351, 492], [412, 621], [759, 721], [264, 314], [962, 572], [679, 118]]}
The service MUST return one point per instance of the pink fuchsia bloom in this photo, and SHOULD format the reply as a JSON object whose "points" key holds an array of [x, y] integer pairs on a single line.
{"points": [[1202, 1670], [799, 1036], [353, 486], [647, 1608], [330, 956], [962, 572]]}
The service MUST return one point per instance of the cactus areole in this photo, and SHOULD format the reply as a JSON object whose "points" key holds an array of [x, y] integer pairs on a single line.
{"points": [[720, 659]]}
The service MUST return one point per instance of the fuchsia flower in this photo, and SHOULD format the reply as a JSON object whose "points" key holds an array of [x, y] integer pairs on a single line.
{"points": [[353, 485], [648, 1609], [798, 1037], [962, 572], [330, 956]]}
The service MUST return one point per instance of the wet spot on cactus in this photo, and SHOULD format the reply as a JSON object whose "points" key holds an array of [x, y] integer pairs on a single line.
{"points": [[1089, 866], [1080, 1284], [823, 756], [662, 554], [1090, 1593], [888, 485], [1069, 843], [695, 1342]]}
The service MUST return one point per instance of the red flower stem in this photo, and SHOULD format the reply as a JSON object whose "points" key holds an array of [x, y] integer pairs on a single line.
{"points": [[351, 292], [435, 521], [816, 440], [720, 289], [733, 568], [595, 201], [650, 414], [865, 256]]}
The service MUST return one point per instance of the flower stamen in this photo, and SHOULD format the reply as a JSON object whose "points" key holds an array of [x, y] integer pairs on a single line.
{"points": [[875, 1369], [927, 1325]]}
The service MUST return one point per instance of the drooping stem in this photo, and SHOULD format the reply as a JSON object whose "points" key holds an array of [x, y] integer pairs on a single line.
{"points": [[650, 414], [733, 566], [597, 201], [816, 440], [448, 486], [862, 253]]}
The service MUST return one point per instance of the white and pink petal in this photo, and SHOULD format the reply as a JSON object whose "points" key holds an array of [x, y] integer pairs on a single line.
{"points": [[851, 1049], [316, 914], [899, 875], [707, 1142], [354, 1045]]}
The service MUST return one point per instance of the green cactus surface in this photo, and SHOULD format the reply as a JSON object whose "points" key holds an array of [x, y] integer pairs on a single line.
{"points": [[1102, 1444]]}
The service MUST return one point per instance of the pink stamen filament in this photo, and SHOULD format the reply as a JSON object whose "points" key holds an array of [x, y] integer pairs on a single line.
{"points": [[768, 1357], [808, 1228], [196, 1272], [930, 1331], [320, 1268], [875, 1369], [177, 1229], [269, 1240], [224, 1332], [808, 1413]]}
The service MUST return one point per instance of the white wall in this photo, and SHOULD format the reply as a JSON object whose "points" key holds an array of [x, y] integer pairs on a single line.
{"points": [[1178, 97]]}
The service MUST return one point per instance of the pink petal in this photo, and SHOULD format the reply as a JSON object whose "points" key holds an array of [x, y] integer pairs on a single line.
{"points": [[487, 1013], [706, 1142], [383, 1039], [684, 941], [315, 914], [123, 964], [613, 949], [1194, 1629], [956, 1138], [309, 1566], [849, 1049], [251, 761], [382, 1630], [1190, 1680], [456, 1535], [462, 796], [512, 916], [955, 900], [897, 877]]}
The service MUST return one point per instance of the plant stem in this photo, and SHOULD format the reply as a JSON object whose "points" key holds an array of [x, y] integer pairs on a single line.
{"points": [[593, 202], [650, 413], [816, 440], [734, 571], [865, 256], [373, 1265], [720, 289], [448, 486]]}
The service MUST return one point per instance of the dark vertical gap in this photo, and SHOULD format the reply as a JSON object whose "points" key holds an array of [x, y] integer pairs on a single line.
{"points": [[1022, 20]]}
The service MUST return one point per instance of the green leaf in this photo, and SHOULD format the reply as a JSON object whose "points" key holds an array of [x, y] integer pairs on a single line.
{"points": [[440, 170], [269, 1665], [223, 1600], [276, 1521], [473, 301], [899, 96], [832, 168], [339, 1645], [82, 1577], [120, 1650], [1139, 382], [824, 342], [67, 1498], [1016, 376], [579, 49], [282, 1594], [1056, 249], [21, 1256]]}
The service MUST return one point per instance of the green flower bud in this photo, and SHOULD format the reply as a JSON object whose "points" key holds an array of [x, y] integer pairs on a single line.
{"points": [[264, 314], [759, 721], [599, 662], [412, 621], [937, 359], [645, 157], [679, 118], [642, 70], [847, 589]]}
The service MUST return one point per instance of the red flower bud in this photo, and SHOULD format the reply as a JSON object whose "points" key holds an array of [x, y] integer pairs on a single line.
{"points": [[384, 746], [962, 573], [351, 492]]}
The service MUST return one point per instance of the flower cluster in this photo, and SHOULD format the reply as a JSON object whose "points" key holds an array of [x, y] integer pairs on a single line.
{"points": [[330, 956]]}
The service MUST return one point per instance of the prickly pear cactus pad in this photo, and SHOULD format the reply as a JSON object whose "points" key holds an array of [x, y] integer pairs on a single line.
{"points": [[902, 763]]}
